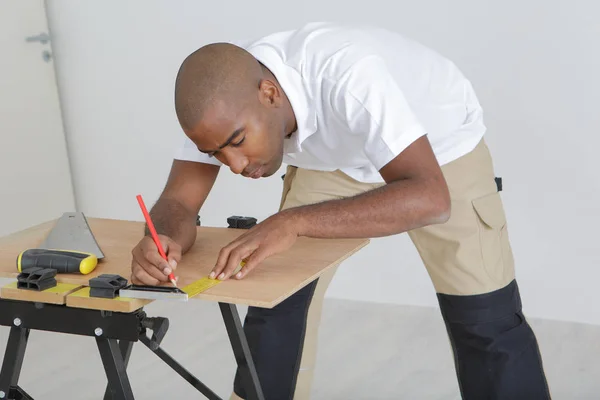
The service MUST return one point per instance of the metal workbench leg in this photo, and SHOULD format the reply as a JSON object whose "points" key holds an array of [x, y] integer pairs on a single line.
{"points": [[184, 373], [125, 347], [118, 382], [13, 361], [16, 393], [241, 350]]}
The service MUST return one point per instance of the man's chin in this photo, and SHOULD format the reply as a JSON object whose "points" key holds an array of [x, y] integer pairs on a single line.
{"points": [[271, 170]]}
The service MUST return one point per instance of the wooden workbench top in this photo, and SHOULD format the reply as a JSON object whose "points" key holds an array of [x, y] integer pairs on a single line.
{"points": [[273, 281]]}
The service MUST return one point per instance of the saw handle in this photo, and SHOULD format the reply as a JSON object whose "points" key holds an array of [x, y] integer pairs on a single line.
{"points": [[63, 261]]}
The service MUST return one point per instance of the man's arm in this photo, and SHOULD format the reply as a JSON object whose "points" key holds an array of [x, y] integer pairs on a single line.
{"points": [[188, 186], [415, 195]]}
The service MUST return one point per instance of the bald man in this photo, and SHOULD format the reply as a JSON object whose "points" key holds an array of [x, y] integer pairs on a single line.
{"points": [[381, 136]]}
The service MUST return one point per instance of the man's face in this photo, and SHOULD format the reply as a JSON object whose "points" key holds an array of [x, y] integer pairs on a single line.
{"points": [[249, 142]]}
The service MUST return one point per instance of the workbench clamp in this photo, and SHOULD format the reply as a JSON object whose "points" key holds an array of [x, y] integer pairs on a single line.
{"points": [[107, 286], [36, 278], [239, 222], [159, 327]]}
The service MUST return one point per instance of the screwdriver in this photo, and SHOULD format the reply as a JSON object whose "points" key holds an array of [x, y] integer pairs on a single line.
{"points": [[154, 235], [63, 261]]}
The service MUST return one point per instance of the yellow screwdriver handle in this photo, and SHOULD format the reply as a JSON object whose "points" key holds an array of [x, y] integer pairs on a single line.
{"points": [[63, 261]]}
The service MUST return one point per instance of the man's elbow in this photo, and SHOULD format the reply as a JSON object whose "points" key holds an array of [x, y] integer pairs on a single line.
{"points": [[441, 207]]}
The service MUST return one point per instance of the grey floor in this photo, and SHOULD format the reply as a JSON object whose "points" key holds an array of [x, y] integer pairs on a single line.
{"points": [[367, 351]]}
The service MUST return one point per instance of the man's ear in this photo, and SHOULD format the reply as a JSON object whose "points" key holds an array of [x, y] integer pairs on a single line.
{"points": [[269, 93]]}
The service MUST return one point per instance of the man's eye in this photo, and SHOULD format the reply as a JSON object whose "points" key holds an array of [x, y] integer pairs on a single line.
{"points": [[238, 143]]}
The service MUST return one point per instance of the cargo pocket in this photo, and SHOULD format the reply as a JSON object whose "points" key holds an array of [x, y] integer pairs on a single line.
{"points": [[493, 236]]}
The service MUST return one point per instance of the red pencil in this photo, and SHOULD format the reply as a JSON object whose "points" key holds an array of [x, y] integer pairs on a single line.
{"points": [[154, 234]]}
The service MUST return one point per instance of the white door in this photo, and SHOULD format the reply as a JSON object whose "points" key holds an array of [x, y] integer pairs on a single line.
{"points": [[35, 181]]}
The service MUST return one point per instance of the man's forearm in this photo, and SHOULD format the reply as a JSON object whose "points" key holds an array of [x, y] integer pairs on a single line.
{"points": [[172, 219], [394, 208]]}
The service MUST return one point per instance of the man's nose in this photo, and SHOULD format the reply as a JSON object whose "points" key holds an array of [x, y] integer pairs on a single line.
{"points": [[237, 163]]}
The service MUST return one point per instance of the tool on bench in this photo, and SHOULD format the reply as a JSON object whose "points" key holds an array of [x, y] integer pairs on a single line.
{"points": [[35, 278], [239, 222], [69, 248], [199, 286], [106, 286]]}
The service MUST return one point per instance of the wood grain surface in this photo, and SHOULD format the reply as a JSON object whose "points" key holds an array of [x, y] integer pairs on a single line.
{"points": [[273, 281]]}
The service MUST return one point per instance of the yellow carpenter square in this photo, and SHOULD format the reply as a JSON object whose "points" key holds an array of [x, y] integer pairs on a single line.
{"points": [[53, 295], [206, 283], [200, 286]]}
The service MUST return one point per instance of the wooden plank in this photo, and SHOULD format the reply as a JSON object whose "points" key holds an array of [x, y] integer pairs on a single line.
{"points": [[6, 281], [54, 295], [277, 278], [274, 280], [81, 299]]}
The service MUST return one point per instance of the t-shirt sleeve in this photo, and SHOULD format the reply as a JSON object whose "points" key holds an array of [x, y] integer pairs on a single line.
{"points": [[188, 151], [373, 106]]}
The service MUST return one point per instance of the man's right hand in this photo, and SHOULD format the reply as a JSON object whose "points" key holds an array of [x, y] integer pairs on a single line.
{"points": [[148, 267], [174, 215]]}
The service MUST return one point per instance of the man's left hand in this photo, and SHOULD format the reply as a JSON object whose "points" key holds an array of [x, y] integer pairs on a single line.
{"points": [[274, 235]]}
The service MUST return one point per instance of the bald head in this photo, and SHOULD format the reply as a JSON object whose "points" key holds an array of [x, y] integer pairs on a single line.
{"points": [[219, 73]]}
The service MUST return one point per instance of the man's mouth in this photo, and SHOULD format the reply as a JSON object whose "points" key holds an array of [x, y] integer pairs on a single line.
{"points": [[255, 173]]}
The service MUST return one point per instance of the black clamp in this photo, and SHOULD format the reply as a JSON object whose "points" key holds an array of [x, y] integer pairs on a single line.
{"points": [[36, 278], [241, 222], [159, 327], [107, 286]]}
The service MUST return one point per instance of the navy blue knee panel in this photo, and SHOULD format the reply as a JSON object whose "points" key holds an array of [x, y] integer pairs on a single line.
{"points": [[276, 337], [495, 351]]}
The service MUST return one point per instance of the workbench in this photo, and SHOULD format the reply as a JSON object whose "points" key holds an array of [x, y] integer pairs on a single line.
{"points": [[116, 324]]}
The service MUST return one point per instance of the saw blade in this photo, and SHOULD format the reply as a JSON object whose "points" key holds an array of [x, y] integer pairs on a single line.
{"points": [[72, 232]]}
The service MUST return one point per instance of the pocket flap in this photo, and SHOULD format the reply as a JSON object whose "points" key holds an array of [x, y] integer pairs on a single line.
{"points": [[490, 210]]}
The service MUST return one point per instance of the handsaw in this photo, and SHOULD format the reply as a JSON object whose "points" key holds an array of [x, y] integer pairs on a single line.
{"points": [[70, 247], [72, 232]]}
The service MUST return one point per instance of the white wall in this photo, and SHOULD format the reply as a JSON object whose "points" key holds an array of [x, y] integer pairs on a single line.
{"points": [[534, 65], [35, 182]]}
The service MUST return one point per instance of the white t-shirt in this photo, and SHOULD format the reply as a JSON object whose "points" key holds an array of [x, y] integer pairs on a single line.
{"points": [[361, 95]]}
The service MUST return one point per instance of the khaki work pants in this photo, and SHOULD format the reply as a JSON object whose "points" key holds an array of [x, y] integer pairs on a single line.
{"points": [[468, 255]]}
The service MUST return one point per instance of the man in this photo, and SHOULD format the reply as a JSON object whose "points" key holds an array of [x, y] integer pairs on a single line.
{"points": [[382, 136]]}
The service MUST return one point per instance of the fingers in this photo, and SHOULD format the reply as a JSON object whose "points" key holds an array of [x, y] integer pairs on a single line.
{"points": [[148, 267], [139, 276], [173, 251], [255, 259], [154, 261], [152, 264], [222, 260], [229, 260]]}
